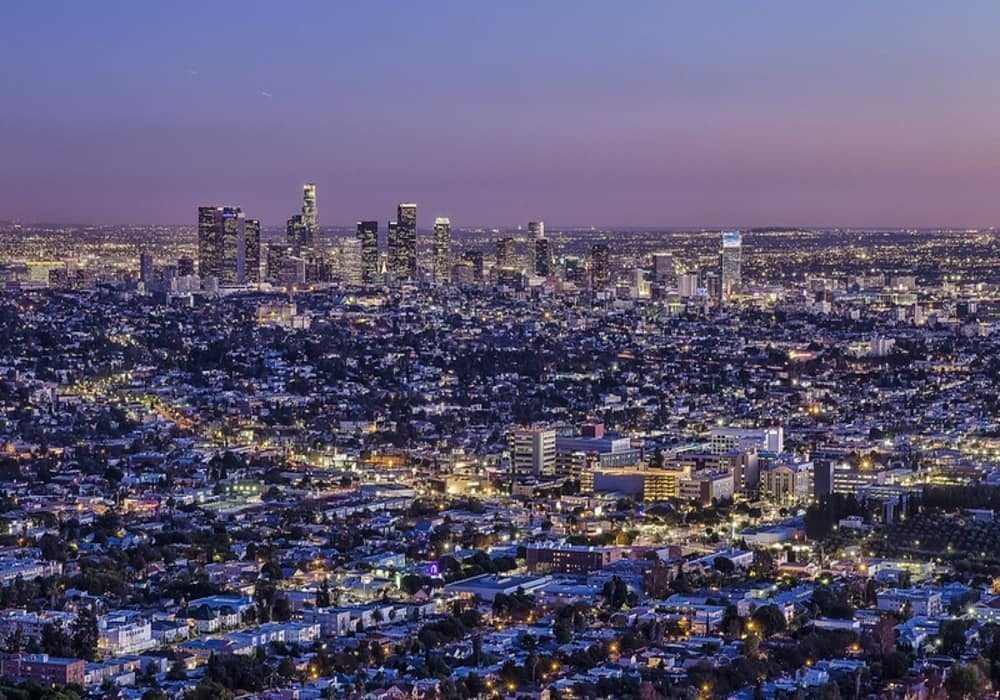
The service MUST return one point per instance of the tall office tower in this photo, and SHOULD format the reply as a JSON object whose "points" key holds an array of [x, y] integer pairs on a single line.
{"points": [[506, 253], [296, 233], [543, 257], [574, 269], [638, 284], [533, 451], [284, 268], [146, 268], [600, 266], [536, 231], [310, 214], [368, 236], [277, 254], [712, 284], [664, 272], [350, 260], [185, 266], [441, 250], [732, 281], [687, 285], [222, 244], [318, 265], [252, 255], [394, 265], [403, 243]]}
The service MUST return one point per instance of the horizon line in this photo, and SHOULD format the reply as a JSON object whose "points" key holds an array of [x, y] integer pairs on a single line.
{"points": [[556, 228]]}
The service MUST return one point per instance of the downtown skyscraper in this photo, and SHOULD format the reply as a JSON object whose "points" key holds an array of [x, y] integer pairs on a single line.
{"points": [[731, 264], [536, 233], [402, 243], [441, 250], [664, 269], [367, 234], [600, 266], [349, 256], [310, 214], [251, 248], [542, 257], [506, 253], [302, 229], [228, 245]]}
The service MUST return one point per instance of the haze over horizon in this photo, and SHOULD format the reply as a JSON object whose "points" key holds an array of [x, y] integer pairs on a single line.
{"points": [[729, 114]]}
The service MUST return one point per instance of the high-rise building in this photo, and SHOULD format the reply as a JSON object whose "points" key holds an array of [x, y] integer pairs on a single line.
{"points": [[394, 267], [441, 250], [687, 285], [506, 253], [543, 257], [296, 233], [284, 268], [350, 260], [319, 267], [368, 236], [600, 266], [574, 269], [222, 244], [664, 272], [536, 231], [403, 243], [638, 284], [277, 253], [210, 241], [252, 252], [731, 280], [310, 214], [533, 451], [146, 268]]}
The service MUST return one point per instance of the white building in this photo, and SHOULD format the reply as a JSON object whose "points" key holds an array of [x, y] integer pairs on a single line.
{"points": [[533, 451], [917, 601], [123, 633]]}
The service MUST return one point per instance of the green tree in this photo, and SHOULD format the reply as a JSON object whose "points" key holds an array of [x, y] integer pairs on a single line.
{"points": [[85, 634], [55, 641], [209, 690], [965, 682], [769, 619]]}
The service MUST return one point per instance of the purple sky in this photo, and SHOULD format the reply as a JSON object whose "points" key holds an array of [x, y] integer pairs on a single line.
{"points": [[641, 113]]}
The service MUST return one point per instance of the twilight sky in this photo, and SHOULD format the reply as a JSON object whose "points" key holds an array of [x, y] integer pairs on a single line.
{"points": [[638, 113]]}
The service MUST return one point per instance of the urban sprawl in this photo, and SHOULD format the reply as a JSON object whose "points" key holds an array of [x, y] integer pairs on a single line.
{"points": [[412, 461]]}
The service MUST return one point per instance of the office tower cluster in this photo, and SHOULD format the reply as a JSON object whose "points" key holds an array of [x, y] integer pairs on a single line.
{"points": [[230, 252], [402, 243], [721, 284], [302, 229], [228, 246]]}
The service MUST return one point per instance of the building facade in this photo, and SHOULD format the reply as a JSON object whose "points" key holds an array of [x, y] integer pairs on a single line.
{"points": [[223, 245], [441, 250], [731, 267]]}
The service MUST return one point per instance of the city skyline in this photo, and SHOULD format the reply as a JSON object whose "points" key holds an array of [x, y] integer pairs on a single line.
{"points": [[507, 351], [725, 117]]}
